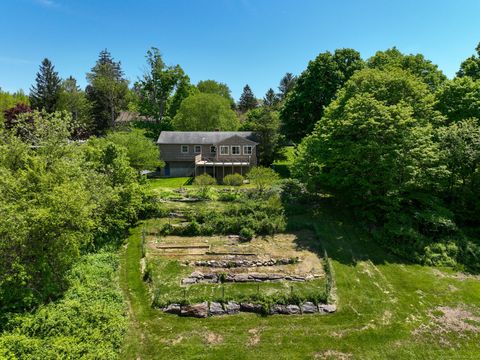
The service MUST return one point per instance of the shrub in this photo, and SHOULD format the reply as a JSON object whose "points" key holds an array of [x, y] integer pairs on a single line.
{"points": [[246, 234], [204, 182], [233, 180], [262, 177]]}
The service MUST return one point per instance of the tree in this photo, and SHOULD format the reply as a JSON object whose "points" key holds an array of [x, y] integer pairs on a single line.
{"points": [[471, 66], [247, 100], [315, 89], [460, 145], [271, 99], [215, 87], [459, 99], [286, 84], [416, 64], [265, 123], [205, 112], [158, 84], [374, 143], [8, 101], [142, 153], [74, 100], [262, 177], [107, 91], [46, 91]]}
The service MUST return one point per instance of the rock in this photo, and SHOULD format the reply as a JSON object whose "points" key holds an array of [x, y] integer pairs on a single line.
{"points": [[197, 275], [232, 307], [309, 308], [326, 308], [189, 281], [216, 309], [173, 309], [250, 307], [292, 309], [274, 277], [309, 277], [242, 278], [261, 277], [298, 278], [278, 309], [199, 310]]}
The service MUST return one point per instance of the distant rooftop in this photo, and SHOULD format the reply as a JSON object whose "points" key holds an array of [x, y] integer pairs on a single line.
{"points": [[200, 137], [127, 116]]}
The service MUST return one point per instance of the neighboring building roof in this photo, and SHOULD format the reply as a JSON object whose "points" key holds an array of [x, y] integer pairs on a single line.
{"points": [[127, 116], [201, 137]]}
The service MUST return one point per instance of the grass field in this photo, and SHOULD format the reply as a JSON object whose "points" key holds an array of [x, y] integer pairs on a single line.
{"points": [[387, 309]]}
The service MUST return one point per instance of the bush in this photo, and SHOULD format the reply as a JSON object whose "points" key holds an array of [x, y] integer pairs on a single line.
{"points": [[246, 234], [204, 180], [233, 180], [262, 177]]}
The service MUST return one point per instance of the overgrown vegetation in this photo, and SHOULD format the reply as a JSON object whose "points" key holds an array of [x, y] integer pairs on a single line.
{"points": [[88, 322]]}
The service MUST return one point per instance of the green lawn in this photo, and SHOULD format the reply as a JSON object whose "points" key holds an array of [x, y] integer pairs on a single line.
{"points": [[281, 166], [387, 309], [170, 182]]}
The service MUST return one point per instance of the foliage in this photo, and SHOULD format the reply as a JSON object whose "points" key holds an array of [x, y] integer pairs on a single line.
{"points": [[142, 153], [204, 182], [247, 101], [44, 95], [205, 112], [374, 142], [286, 85], [233, 180], [74, 100], [246, 234], [218, 88], [459, 99], [270, 99], [265, 123], [262, 177], [107, 91], [158, 85], [8, 101], [314, 90], [62, 199], [416, 64], [88, 322], [471, 66]]}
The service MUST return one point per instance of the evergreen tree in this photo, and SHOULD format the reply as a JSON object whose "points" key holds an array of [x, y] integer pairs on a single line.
{"points": [[107, 91], [286, 84], [46, 91], [271, 99], [247, 100]]}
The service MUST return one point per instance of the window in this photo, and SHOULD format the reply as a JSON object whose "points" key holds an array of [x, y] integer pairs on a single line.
{"points": [[198, 149], [235, 150], [247, 150], [223, 150], [213, 149], [184, 149]]}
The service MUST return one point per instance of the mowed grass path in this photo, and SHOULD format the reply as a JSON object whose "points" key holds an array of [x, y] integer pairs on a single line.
{"points": [[384, 306]]}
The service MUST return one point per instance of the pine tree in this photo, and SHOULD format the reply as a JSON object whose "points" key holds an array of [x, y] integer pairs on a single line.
{"points": [[46, 91], [107, 91], [247, 100], [286, 84], [270, 99]]}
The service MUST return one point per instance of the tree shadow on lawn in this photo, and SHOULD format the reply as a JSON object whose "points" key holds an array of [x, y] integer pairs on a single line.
{"points": [[337, 232]]}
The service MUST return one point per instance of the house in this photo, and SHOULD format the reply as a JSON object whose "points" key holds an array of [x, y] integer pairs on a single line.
{"points": [[217, 153]]}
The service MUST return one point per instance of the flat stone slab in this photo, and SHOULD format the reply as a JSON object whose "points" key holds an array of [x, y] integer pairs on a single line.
{"points": [[309, 308], [199, 310], [216, 309], [326, 308]]}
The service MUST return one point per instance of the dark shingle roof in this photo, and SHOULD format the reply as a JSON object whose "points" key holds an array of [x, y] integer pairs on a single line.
{"points": [[200, 137]]}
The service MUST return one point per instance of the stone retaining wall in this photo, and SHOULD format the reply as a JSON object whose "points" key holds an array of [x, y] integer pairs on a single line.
{"points": [[205, 309], [243, 263], [198, 277]]}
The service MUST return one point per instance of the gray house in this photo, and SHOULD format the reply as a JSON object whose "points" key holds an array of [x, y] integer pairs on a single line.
{"points": [[218, 153]]}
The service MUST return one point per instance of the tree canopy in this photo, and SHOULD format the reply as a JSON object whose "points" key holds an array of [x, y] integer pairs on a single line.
{"points": [[247, 101], [205, 112], [314, 90], [459, 99], [471, 66], [215, 87], [416, 64]]}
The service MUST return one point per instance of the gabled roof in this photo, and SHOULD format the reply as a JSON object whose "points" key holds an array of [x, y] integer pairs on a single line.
{"points": [[201, 137]]}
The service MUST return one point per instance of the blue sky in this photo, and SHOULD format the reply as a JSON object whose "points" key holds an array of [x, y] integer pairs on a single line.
{"points": [[232, 41]]}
